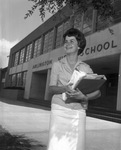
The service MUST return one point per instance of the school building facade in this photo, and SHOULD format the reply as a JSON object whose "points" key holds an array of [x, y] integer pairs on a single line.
{"points": [[31, 59]]}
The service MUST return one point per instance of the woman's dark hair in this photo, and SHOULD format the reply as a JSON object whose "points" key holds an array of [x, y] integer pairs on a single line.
{"points": [[79, 37]]}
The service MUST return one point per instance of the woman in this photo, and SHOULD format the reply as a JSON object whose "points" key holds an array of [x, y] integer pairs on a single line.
{"points": [[67, 123]]}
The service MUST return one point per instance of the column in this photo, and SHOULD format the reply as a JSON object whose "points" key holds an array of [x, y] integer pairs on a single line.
{"points": [[94, 20], [118, 108], [0, 77], [47, 85]]}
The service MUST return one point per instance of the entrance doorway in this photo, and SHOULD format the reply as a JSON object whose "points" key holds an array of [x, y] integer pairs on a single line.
{"points": [[109, 66], [38, 85]]}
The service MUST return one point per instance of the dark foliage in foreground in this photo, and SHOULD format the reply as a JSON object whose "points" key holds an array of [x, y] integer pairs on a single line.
{"points": [[16, 142]]}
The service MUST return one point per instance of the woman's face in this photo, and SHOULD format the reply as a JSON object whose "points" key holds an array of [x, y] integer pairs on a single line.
{"points": [[71, 45]]}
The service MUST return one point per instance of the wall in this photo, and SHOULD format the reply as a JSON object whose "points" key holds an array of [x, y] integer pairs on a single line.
{"points": [[13, 94], [100, 44]]}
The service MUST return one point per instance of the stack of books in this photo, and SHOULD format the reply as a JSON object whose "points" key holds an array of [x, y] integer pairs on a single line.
{"points": [[86, 83]]}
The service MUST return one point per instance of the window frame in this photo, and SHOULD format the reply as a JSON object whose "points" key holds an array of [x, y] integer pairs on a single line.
{"points": [[16, 58], [37, 48], [60, 40], [22, 55], [28, 52], [48, 43]]}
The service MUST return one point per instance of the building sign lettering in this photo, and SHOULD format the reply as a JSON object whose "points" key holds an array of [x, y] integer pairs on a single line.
{"points": [[42, 64], [93, 49], [89, 50]]}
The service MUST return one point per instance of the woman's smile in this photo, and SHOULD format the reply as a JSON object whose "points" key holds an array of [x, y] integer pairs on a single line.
{"points": [[71, 44]]}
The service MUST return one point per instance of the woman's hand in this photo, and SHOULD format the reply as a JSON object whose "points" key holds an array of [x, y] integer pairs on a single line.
{"points": [[77, 94], [69, 89]]}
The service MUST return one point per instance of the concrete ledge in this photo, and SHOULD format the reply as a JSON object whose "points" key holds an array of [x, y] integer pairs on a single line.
{"points": [[14, 94]]}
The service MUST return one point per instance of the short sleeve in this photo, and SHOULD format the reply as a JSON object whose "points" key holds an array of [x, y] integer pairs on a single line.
{"points": [[85, 68], [54, 74], [88, 69]]}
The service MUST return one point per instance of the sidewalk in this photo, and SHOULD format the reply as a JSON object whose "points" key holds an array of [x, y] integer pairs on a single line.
{"points": [[33, 121]]}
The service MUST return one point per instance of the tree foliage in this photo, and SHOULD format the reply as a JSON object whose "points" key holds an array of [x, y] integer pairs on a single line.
{"points": [[104, 7]]}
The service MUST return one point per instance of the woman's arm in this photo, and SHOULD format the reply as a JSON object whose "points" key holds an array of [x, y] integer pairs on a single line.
{"points": [[93, 95], [80, 96], [59, 89]]}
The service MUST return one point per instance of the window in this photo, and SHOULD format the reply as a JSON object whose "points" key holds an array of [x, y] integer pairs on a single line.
{"points": [[46, 37], [60, 31], [28, 52], [13, 60], [101, 23], [22, 53], [66, 26], [78, 21], [16, 59], [10, 81], [24, 78], [87, 22], [13, 82], [37, 47], [104, 23], [59, 36], [117, 7], [48, 41], [19, 80]]}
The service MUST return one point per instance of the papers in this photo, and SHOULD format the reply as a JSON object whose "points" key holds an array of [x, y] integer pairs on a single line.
{"points": [[86, 83], [76, 77]]}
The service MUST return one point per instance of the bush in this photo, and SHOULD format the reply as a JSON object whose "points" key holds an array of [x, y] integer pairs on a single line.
{"points": [[16, 142]]}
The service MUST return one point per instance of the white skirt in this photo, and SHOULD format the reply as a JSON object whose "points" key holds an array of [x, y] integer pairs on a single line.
{"points": [[67, 129]]}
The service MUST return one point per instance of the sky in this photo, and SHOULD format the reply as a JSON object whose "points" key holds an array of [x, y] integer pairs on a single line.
{"points": [[13, 26]]}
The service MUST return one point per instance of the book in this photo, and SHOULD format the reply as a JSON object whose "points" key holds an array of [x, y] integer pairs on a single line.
{"points": [[86, 83], [87, 86]]}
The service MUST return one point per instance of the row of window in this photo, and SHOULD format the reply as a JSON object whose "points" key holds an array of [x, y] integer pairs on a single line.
{"points": [[35, 49], [19, 57], [46, 42], [18, 79]]}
